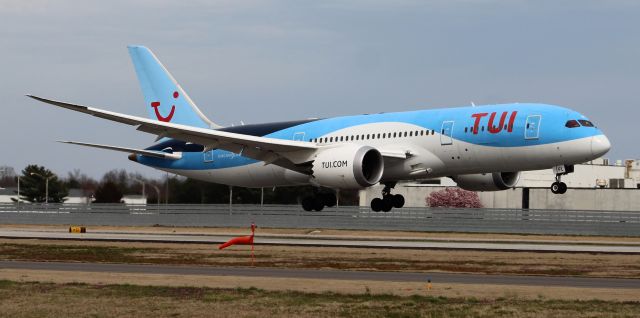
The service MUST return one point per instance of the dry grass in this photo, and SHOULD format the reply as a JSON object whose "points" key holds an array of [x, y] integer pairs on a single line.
{"points": [[340, 233], [82, 300], [575, 264], [439, 289]]}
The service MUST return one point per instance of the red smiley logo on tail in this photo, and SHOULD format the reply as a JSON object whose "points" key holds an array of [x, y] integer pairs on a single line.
{"points": [[155, 106]]}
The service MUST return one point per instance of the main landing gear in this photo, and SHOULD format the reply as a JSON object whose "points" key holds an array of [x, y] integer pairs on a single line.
{"points": [[319, 201], [560, 187], [388, 201]]}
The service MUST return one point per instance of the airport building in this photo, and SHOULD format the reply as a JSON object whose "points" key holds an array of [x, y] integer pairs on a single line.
{"points": [[596, 185], [76, 196]]}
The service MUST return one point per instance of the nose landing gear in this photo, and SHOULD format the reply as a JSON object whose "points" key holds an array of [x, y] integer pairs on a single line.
{"points": [[560, 187], [388, 200]]}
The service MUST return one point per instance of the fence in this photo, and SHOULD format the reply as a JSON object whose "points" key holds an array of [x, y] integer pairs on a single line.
{"points": [[617, 223]]}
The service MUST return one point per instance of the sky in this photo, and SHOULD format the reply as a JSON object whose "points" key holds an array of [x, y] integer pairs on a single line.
{"points": [[258, 61]]}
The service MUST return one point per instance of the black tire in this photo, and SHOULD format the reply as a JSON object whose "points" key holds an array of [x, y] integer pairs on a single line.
{"points": [[307, 204], [318, 204], [376, 205], [330, 199], [387, 204], [398, 201], [555, 188], [563, 188]]}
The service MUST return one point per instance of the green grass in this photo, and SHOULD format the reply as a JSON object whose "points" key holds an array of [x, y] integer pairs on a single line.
{"points": [[84, 300]]}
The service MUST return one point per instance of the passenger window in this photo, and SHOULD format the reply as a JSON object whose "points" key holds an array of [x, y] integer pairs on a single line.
{"points": [[465, 130], [585, 123], [378, 136], [570, 124], [411, 134], [405, 134]]}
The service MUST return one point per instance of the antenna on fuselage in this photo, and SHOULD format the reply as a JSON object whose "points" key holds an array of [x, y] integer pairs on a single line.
{"points": [[473, 104]]}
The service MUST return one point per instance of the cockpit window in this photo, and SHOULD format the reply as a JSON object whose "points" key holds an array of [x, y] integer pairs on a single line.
{"points": [[572, 124], [585, 123]]}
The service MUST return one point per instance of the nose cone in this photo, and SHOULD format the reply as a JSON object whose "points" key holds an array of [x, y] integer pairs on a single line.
{"points": [[599, 145]]}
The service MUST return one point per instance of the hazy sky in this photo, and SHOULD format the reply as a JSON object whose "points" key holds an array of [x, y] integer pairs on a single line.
{"points": [[258, 61]]}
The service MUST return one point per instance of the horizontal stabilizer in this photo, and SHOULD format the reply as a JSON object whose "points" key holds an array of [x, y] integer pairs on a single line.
{"points": [[149, 153]]}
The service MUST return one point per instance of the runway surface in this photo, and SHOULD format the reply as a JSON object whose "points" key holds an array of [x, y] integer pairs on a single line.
{"points": [[329, 274], [298, 240]]}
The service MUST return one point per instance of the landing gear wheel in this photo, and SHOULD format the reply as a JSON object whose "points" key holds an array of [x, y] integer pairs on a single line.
{"points": [[318, 204], [376, 205], [329, 199], [387, 203], [398, 201], [563, 188], [555, 188], [308, 203]]}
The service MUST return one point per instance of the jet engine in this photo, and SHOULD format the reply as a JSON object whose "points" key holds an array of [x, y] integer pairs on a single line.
{"points": [[487, 181], [348, 167]]}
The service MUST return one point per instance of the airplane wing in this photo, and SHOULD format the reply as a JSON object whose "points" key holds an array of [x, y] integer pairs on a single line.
{"points": [[150, 153], [289, 154]]}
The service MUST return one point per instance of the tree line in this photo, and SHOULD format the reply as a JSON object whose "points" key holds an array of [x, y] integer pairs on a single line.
{"points": [[174, 189]]}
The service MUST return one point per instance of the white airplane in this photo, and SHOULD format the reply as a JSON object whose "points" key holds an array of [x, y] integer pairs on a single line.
{"points": [[482, 148]]}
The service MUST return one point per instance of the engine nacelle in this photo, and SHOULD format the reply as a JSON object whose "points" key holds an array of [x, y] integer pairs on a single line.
{"points": [[487, 181], [348, 167]]}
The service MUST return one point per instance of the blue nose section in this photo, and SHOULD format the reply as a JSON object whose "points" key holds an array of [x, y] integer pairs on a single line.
{"points": [[600, 145]]}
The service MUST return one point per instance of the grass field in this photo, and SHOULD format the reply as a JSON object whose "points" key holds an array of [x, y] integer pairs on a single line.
{"points": [[491, 262], [19, 299]]}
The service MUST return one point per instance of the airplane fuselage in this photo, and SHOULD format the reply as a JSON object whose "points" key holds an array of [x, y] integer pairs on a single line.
{"points": [[436, 143]]}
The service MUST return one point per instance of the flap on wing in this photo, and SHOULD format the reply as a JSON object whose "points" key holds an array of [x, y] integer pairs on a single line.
{"points": [[150, 153]]}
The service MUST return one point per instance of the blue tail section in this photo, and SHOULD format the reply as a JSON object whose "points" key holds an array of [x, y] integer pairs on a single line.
{"points": [[164, 97]]}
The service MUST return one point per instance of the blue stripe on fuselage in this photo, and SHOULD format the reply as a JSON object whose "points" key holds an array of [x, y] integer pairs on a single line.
{"points": [[551, 130]]}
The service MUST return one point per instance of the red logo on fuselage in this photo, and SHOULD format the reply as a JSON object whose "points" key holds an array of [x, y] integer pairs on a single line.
{"points": [[155, 106], [491, 127]]}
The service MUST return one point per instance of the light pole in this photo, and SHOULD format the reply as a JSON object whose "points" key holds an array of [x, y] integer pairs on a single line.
{"points": [[143, 189], [18, 202], [158, 192], [46, 187]]}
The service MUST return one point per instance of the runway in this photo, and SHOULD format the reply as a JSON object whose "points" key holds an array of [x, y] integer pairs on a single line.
{"points": [[328, 274], [336, 241]]}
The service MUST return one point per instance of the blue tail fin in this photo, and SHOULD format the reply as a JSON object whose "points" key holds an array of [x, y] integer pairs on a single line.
{"points": [[164, 97]]}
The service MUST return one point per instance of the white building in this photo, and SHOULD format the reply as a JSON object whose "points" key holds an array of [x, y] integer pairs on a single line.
{"points": [[76, 196], [596, 185]]}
